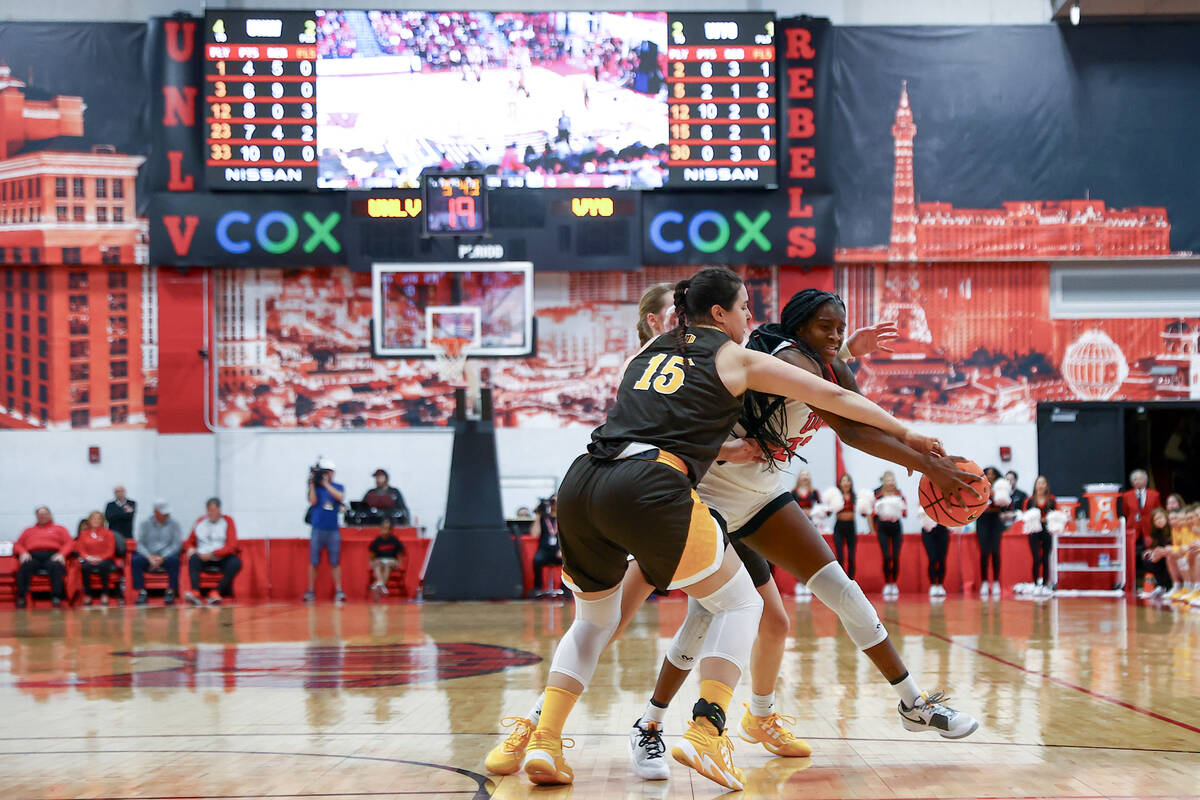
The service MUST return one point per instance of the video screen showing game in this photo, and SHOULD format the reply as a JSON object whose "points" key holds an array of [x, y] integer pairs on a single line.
{"points": [[543, 100]]}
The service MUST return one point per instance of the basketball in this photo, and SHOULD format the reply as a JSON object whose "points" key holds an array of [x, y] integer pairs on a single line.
{"points": [[941, 512]]}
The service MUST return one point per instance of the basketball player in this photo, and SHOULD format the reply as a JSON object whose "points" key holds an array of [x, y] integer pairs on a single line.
{"points": [[633, 492]]}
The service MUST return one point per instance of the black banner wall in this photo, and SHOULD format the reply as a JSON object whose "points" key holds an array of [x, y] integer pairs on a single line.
{"points": [[247, 230], [714, 228], [173, 59], [806, 122], [1019, 142]]}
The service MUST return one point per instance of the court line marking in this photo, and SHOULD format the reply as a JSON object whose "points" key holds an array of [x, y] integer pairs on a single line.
{"points": [[480, 792], [1059, 681], [280, 734]]}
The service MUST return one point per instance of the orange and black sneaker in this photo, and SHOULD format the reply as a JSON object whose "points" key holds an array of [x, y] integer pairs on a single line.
{"points": [[709, 752], [506, 757], [771, 733], [544, 762]]}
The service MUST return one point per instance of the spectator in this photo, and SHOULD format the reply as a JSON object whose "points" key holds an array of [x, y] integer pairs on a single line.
{"points": [[889, 508], [524, 513], [1174, 503], [43, 547], [324, 499], [385, 500], [545, 525], [212, 545], [564, 128], [1153, 558], [989, 529], [159, 540], [1137, 503], [119, 515], [1041, 502], [386, 551], [96, 547]]}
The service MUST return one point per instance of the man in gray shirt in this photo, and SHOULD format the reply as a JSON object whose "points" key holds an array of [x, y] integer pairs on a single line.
{"points": [[159, 540]]}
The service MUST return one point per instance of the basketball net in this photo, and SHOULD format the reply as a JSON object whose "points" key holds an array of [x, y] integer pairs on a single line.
{"points": [[451, 358]]}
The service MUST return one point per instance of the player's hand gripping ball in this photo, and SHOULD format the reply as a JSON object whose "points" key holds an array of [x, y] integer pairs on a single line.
{"points": [[939, 508]]}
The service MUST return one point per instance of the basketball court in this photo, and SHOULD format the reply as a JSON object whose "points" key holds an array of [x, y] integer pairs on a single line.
{"points": [[1080, 698]]}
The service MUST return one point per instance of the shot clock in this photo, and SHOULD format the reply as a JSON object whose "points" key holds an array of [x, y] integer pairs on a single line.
{"points": [[260, 99], [455, 204]]}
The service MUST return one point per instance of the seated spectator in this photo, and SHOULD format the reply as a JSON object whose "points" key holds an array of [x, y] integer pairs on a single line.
{"points": [[386, 551], [159, 540], [211, 546], [96, 547], [43, 547], [1154, 556], [549, 553], [385, 500], [118, 515]]}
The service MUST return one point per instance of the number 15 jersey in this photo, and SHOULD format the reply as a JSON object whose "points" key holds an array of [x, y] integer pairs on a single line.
{"points": [[683, 409]]}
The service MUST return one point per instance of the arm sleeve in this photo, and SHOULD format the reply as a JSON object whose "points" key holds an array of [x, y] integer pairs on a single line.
{"points": [[190, 542], [176, 538], [374, 547], [19, 548], [231, 544], [68, 543]]}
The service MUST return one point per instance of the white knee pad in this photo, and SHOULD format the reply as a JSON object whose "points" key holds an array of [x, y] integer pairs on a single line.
{"points": [[834, 588], [685, 647], [736, 608], [579, 650]]}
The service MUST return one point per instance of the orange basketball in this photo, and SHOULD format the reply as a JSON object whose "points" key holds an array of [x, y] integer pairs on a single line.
{"points": [[941, 512]]}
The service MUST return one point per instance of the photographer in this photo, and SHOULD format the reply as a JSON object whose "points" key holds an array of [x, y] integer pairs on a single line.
{"points": [[324, 499], [545, 525]]}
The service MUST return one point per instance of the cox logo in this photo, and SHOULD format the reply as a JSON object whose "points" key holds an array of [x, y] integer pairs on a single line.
{"points": [[709, 231], [276, 232]]}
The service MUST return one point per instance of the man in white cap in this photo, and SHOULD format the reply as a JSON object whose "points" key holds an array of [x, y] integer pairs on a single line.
{"points": [[325, 499], [159, 540]]}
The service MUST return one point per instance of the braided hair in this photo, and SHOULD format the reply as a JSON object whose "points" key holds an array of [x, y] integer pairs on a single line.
{"points": [[764, 416], [695, 297]]}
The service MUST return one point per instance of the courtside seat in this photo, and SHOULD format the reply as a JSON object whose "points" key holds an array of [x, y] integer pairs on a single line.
{"points": [[396, 584]]}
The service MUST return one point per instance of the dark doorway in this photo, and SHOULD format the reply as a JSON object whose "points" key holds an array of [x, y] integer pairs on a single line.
{"points": [[1164, 440]]}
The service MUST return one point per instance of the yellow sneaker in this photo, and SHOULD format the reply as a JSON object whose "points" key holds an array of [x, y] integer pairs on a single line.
{"points": [[769, 731], [544, 763], [709, 753], [505, 758], [1188, 597], [1178, 593]]}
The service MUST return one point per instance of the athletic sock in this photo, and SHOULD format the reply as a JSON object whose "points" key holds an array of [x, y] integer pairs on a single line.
{"points": [[718, 694], [555, 709], [536, 712], [908, 690], [654, 713], [762, 704]]}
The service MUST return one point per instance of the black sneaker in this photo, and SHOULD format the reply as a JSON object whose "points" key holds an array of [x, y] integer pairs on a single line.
{"points": [[56, 602], [21, 601], [141, 598], [168, 598]]}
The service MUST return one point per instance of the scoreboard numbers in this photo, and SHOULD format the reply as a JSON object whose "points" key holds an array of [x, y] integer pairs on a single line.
{"points": [[721, 96], [260, 99]]}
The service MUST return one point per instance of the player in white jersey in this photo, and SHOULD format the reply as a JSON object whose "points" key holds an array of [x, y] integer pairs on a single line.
{"points": [[764, 522]]}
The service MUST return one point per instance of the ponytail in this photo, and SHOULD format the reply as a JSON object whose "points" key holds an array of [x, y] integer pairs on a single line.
{"points": [[681, 317]]}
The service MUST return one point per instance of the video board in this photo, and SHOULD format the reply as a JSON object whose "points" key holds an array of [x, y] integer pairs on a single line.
{"points": [[555, 99]]}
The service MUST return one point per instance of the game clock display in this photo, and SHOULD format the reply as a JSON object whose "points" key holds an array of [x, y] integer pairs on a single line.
{"points": [[260, 104], [721, 96], [455, 204]]}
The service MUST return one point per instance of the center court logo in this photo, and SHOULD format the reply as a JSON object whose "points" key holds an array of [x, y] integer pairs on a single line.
{"points": [[709, 231]]}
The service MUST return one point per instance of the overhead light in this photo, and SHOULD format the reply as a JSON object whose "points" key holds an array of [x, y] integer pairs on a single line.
{"points": [[1075, 12]]}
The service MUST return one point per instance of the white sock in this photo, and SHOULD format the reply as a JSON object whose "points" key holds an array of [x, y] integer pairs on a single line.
{"points": [[761, 704], [536, 712], [908, 690], [654, 713]]}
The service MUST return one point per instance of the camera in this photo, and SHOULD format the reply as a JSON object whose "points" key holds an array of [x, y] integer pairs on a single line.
{"points": [[543, 507], [317, 473]]}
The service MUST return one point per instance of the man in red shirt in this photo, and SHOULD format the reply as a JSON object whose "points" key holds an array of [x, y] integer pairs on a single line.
{"points": [[212, 544], [44, 547], [1138, 503]]}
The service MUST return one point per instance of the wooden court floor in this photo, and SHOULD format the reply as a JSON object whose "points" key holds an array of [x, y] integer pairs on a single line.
{"points": [[1078, 699]]}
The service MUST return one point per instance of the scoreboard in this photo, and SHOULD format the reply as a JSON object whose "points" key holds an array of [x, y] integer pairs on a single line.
{"points": [[721, 95], [260, 99]]}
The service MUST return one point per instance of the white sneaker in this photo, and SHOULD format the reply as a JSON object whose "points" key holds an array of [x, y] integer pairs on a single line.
{"points": [[647, 753], [983, 590], [933, 591], [930, 714], [941, 590], [803, 594], [996, 591]]}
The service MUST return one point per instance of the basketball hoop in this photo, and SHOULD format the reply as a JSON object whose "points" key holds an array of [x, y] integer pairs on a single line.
{"points": [[451, 357]]}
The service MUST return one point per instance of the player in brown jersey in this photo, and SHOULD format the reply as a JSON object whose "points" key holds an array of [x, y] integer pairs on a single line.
{"points": [[634, 493]]}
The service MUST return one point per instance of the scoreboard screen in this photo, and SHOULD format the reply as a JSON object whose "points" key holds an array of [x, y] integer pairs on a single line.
{"points": [[260, 103], [721, 95], [455, 204]]}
